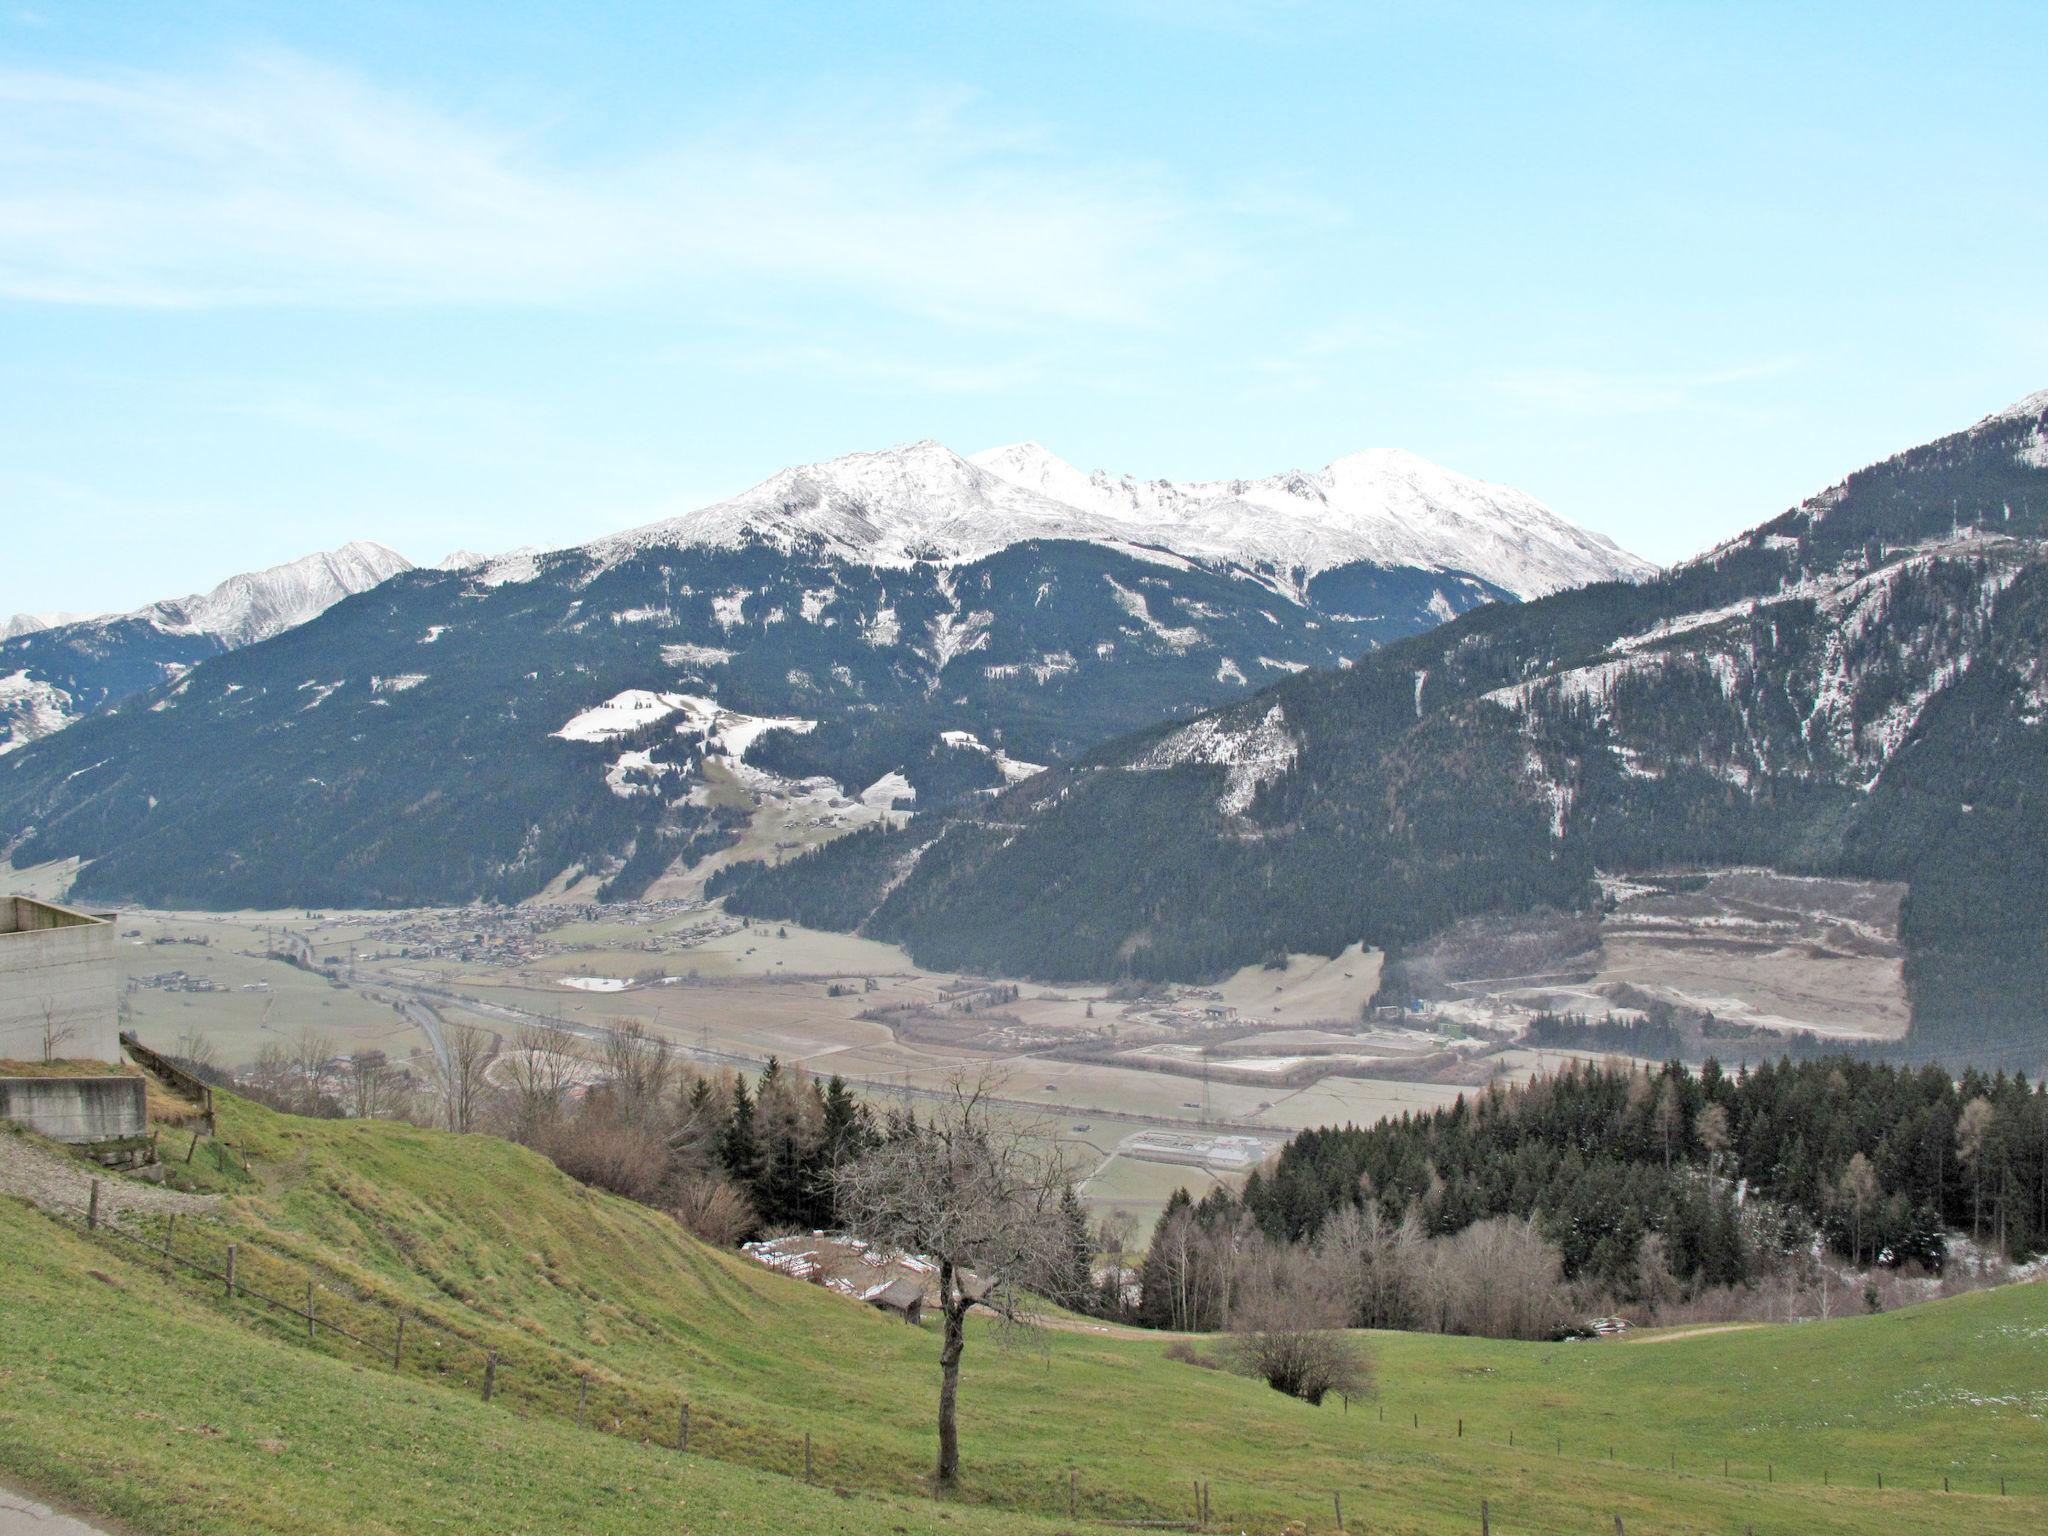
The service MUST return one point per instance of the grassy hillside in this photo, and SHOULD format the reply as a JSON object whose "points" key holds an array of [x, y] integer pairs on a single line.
{"points": [[192, 1397]]}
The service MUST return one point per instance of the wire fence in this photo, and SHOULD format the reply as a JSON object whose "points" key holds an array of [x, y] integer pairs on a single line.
{"points": [[294, 1301]]}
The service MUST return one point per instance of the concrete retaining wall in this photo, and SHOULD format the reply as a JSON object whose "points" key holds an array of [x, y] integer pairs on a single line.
{"points": [[57, 977], [77, 1108]]}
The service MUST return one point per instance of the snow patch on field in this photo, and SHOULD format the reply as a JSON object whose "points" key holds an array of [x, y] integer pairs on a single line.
{"points": [[29, 708], [728, 608], [1133, 603], [1012, 770], [1256, 754], [955, 634], [887, 792], [883, 629], [688, 655]]}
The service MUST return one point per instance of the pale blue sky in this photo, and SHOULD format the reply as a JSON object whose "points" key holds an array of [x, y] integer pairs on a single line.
{"points": [[277, 276]]}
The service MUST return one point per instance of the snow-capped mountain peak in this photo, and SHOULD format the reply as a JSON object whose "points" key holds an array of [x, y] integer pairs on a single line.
{"points": [[922, 501], [1383, 505], [258, 604], [890, 507], [30, 623]]}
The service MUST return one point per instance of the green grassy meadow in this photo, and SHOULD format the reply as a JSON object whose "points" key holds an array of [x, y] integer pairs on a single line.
{"points": [[487, 1248]]}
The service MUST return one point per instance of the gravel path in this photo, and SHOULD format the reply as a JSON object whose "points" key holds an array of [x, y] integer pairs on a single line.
{"points": [[21, 1515], [61, 1183]]}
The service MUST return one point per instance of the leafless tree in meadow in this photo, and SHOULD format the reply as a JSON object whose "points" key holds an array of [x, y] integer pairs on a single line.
{"points": [[980, 1198], [1290, 1334], [460, 1073]]}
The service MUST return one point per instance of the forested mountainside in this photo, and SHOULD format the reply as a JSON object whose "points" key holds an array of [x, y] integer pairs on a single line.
{"points": [[1857, 687], [878, 631], [52, 674]]}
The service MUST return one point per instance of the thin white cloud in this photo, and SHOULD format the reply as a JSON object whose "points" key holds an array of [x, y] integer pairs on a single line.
{"points": [[1577, 392], [277, 180]]}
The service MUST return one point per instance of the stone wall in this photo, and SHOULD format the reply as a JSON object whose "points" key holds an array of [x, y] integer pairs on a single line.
{"points": [[77, 1108], [56, 975]]}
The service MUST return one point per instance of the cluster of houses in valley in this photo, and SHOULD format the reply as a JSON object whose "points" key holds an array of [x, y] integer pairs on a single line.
{"points": [[510, 937]]}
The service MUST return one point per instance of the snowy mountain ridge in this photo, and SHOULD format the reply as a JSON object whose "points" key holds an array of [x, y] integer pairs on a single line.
{"points": [[255, 605], [54, 673], [924, 502]]}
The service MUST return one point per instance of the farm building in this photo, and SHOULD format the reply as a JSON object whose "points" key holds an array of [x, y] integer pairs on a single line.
{"points": [[902, 1296], [58, 998]]}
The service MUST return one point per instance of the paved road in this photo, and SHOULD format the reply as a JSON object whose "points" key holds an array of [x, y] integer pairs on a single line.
{"points": [[21, 1515]]}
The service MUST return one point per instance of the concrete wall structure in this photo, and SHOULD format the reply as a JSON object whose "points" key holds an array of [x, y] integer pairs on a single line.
{"points": [[56, 981], [77, 1108]]}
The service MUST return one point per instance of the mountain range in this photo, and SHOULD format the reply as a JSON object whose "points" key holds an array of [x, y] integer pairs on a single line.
{"points": [[56, 668], [1857, 687], [880, 631]]}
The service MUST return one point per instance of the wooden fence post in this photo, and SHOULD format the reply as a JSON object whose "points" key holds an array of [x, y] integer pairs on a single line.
{"points": [[92, 1208], [490, 1375], [309, 1311], [582, 1398], [1209, 1515], [1944, 1482], [170, 1225], [1461, 1429], [230, 1277], [1485, 1519], [1617, 1527], [1340, 1509], [191, 1149], [398, 1345], [1073, 1491], [807, 1456], [683, 1426]]}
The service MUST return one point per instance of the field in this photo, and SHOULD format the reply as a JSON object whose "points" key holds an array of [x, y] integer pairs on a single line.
{"points": [[168, 1405], [1752, 947]]}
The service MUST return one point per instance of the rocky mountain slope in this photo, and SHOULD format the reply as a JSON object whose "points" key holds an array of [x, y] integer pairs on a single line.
{"points": [[1859, 686], [884, 630], [52, 673]]}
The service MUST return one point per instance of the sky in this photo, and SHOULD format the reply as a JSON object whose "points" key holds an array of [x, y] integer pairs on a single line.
{"points": [[274, 277]]}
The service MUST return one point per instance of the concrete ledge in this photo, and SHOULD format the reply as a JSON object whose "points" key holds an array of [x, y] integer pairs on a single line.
{"points": [[77, 1109]]}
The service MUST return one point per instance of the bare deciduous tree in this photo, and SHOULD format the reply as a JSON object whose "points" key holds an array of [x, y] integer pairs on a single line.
{"points": [[541, 1067], [980, 1199], [56, 1030], [459, 1073]]}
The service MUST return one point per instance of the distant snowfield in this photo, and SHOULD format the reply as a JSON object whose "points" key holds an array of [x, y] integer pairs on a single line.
{"points": [[596, 983]]}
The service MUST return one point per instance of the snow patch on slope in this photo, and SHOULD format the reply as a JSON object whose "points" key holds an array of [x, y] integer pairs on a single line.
{"points": [[1256, 754]]}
